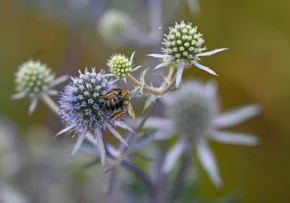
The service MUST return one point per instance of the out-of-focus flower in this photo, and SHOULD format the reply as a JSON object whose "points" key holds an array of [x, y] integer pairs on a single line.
{"points": [[82, 109], [10, 194], [33, 80], [120, 65], [11, 154], [74, 13], [117, 28], [193, 113], [183, 46]]}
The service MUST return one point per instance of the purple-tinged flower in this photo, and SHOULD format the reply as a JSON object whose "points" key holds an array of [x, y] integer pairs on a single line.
{"points": [[194, 114], [33, 80], [82, 109], [182, 47], [120, 65]]}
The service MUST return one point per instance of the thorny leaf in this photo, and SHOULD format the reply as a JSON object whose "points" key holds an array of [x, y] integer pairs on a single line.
{"points": [[145, 139], [148, 102]]}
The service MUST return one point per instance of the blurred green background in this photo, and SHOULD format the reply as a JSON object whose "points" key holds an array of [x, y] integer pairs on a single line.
{"points": [[254, 70]]}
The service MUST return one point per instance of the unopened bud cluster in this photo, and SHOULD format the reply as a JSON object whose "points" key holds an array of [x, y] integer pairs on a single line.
{"points": [[33, 78], [183, 42], [120, 65]]}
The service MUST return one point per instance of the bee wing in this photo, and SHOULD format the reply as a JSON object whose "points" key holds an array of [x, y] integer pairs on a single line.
{"points": [[125, 91], [131, 111]]}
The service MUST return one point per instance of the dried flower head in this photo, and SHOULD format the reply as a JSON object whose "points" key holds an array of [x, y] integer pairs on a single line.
{"points": [[121, 66], [33, 79], [193, 113], [82, 108], [183, 46]]}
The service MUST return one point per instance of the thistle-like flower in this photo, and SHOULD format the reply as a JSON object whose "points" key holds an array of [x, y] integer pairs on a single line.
{"points": [[34, 80], [183, 46], [82, 109], [121, 66], [193, 113]]}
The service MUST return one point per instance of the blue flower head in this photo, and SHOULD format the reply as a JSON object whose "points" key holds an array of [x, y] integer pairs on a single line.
{"points": [[81, 108]]}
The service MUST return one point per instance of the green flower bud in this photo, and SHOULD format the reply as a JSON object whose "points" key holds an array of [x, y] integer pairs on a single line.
{"points": [[120, 65], [183, 42], [33, 78]]}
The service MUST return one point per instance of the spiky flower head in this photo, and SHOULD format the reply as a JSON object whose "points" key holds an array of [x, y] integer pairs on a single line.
{"points": [[193, 113], [81, 104], [121, 66], [183, 42], [182, 48], [191, 110], [82, 107], [34, 79]]}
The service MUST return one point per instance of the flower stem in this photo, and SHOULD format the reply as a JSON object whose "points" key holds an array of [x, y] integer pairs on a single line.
{"points": [[166, 86], [50, 103]]}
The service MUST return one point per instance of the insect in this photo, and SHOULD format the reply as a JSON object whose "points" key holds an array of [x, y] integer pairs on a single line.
{"points": [[119, 101]]}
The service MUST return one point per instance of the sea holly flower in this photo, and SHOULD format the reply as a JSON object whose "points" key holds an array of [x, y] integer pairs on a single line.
{"points": [[121, 66], [182, 47], [82, 109], [194, 113], [34, 80]]}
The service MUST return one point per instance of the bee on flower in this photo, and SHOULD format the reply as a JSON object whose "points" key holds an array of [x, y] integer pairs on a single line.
{"points": [[82, 106]]}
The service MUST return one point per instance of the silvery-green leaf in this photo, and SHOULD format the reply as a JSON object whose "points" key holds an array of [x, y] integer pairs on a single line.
{"points": [[148, 102], [65, 130], [208, 162], [179, 74], [159, 56], [237, 116], [172, 156], [209, 53], [235, 138], [78, 144], [101, 146], [145, 139], [33, 105], [166, 63], [59, 80], [116, 134], [19, 95], [202, 67]]}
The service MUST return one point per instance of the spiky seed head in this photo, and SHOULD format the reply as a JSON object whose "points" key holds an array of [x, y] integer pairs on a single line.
{"points": [[183, 42], [33, 78], [120, 65], [81, 105], [191, 110]]}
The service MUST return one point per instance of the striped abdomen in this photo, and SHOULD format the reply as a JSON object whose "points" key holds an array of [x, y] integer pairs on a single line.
{"points": [[114, 104]]}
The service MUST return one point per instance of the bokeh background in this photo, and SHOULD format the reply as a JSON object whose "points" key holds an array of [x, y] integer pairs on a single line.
{"points": [[254, 70]]}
